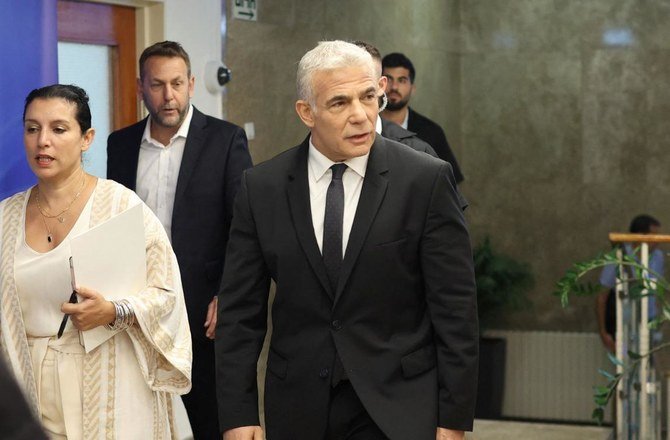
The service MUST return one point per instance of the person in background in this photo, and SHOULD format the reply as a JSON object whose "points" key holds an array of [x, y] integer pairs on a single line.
{"points": [[123, 388], [400, 74], [186, 166], [606, 301], [386, 128]]}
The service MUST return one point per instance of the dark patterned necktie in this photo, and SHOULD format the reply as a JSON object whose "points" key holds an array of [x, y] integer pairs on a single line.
{"points": [[332, 225]]}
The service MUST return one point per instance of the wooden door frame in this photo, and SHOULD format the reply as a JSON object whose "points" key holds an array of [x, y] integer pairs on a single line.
{"points": [[109, 25]]}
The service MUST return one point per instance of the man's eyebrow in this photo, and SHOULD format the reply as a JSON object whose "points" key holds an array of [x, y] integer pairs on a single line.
{"points": [[370, 89], [338, 98]]}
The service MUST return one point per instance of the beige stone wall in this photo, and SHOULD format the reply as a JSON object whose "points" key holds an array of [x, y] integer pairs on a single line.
{"points": [[564, 136], [264, 57], [561, 137]]}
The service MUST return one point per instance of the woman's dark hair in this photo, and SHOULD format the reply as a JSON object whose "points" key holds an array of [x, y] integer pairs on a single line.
{"points": [[70, 93], [642, 224]]}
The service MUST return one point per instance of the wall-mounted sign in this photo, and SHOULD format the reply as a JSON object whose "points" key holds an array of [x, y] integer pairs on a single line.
{"points": [[245, 10]]}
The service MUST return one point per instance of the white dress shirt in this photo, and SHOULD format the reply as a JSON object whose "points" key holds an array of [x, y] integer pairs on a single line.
{"points": [[319, 175], [158, 169], [404, 122]]}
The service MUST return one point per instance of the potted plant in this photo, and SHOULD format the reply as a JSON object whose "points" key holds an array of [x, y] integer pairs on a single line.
{"points": [[573, 283], [502, 286]]}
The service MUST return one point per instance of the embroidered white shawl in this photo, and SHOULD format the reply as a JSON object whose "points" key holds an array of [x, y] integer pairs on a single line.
{"points": [[130, 380]]}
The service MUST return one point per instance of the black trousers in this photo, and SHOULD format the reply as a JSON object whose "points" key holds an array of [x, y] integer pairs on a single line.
{"points": [[200, 402], [347, 418]]}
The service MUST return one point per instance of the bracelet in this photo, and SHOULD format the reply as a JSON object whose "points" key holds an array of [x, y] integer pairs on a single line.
{"points": [[125, 316]]}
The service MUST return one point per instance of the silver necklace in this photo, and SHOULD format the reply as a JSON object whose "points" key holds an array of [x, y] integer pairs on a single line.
{"points": [[61, 215]]}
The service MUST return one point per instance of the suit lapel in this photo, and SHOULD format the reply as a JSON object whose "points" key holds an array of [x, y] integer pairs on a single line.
{"points": [[195, 142], [299, 204], [127, 169], [411, 120], [372, 194]]}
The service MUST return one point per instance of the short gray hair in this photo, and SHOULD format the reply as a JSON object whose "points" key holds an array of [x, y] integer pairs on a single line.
{"points": [[329, 55]]}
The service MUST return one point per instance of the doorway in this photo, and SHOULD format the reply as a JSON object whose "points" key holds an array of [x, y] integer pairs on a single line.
{"points": [[96, 51]]}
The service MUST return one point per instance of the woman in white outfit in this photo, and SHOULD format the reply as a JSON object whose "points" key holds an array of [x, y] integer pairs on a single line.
{"points": [[123, 388]]}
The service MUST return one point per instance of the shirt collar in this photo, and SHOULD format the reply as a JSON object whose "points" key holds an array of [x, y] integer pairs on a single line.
{"points": [[404, 122], [182, 132], [378, 126], [319, 163]]}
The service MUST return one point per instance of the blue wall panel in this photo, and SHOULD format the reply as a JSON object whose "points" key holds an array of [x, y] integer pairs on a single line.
{"points": [[28, 50]]}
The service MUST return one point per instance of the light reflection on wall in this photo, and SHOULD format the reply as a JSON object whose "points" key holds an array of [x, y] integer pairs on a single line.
{"points": [[502, 40], [618, 37]]}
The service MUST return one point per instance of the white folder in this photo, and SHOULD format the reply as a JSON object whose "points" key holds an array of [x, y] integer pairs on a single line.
{"points": [[111, 258]]}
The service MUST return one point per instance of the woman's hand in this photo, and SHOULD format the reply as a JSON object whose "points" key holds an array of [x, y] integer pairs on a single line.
{"points": [[90, 312]]}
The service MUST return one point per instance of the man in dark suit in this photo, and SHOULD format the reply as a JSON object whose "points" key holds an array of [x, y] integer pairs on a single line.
{"points": [[393, 131], [374, 318], [400, 74], [186, 166]]}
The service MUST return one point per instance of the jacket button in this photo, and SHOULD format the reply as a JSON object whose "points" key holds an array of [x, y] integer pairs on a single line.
{"points": [[337, 324], [323, 373]]}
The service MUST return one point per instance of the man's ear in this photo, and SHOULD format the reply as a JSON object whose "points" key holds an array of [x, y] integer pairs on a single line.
{"points": [[191, 86], [305, 112], [383, 81]]}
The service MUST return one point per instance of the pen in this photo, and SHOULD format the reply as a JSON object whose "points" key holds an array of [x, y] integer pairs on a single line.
{"points": [[72, 300]]}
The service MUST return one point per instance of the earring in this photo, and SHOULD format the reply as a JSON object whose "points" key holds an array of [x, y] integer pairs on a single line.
{"points": [[384, 100]]}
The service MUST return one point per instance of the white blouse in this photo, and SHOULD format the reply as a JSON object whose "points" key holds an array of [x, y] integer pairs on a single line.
{"points": [[43, 279]]}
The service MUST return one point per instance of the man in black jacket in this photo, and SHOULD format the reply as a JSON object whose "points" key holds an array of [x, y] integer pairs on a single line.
{"points": [[187, 167], [400, 74], [374, 322]]}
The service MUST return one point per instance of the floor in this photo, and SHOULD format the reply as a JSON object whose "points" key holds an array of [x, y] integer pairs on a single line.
{"points": [[505, 430], [484, 430]]}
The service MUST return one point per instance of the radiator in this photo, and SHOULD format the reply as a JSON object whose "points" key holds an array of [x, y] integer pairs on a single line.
{"points": [[550, 375]]}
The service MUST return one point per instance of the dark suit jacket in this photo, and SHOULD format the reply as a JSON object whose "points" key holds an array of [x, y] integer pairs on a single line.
{"points": [[432, 133], [215, 155], [17, 421], [403, 318], [395, 132]]}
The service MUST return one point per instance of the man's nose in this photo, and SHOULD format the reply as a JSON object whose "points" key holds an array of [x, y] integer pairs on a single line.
{"points": [[168, 93], [358, 114]]}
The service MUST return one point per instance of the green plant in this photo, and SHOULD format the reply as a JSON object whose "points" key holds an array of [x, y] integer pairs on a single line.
{"points": [[502, 283], [571, 283]]}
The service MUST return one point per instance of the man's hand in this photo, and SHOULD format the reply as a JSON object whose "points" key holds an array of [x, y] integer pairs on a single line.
{"points": [[91, 312], [244, 433], [210, 321], [449, 434]]}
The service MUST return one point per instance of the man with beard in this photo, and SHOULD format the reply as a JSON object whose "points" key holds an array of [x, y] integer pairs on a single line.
{"points": [[385, 127], [187, 167], [400, 74]]}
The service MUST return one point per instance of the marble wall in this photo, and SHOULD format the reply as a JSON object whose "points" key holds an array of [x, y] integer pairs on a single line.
{"points": [[555, 109], [264, 57], [563, 119]]}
